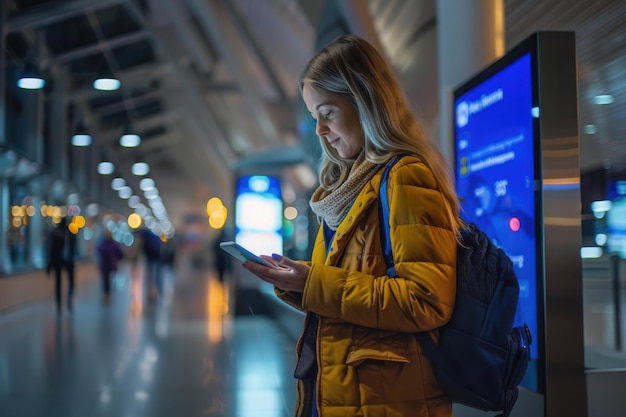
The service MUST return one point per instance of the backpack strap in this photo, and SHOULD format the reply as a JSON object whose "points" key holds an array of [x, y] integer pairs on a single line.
{"points": [[428, 345], [383, 214]]}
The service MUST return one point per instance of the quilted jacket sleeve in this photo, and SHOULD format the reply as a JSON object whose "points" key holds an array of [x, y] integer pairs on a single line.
{"points": [[422, 296]]}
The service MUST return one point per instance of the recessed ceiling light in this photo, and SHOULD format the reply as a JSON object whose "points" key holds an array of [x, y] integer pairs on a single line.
{"points": [[134, 201], [151, 194], [31, 78], [146, 184], [140, 168], [603, 99], [81, 140], [125, 192], [31, 83], [105, 168], [130, 141], [106, 84], [118, 183]]}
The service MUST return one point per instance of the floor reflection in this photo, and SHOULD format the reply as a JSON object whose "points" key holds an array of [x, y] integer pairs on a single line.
{"points": [[184, 355]]}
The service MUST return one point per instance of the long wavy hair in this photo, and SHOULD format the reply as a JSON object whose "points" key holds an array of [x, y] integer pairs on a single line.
{"points": [[353, 69]]}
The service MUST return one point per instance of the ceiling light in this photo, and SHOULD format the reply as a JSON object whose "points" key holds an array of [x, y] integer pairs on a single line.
{"points": [[140, 168], [125, 192], [118, 183], [31, 83], [146, 184], [81, 140], [130, 141], [107, 84], [81, 135], [105, 168], [31, 79], [603, 99], [134, 201], [151, 194], [142, 210]]}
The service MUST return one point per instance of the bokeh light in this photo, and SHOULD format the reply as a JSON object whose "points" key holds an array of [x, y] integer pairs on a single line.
{"points": [[134, 220]]}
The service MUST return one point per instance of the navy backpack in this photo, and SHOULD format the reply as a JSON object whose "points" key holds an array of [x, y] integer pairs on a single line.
{"points": [[481, 357]]}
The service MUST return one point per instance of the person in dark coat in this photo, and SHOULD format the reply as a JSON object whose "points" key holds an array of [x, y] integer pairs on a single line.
{"points": [[150, 244], [222, 260], [110, 254], [62, 249]]}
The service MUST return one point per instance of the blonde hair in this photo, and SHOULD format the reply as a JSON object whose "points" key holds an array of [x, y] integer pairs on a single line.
{"points": [[353, 69]]}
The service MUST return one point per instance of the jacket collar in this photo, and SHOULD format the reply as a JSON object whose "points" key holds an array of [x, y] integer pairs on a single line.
{"points": [[367, 197]]}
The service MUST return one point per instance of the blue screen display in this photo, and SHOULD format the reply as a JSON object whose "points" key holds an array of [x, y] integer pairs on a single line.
{"points": [[259, 214], [495, 173]]}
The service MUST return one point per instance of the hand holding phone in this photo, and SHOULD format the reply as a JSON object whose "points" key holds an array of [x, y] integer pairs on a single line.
{"points": [[243, 255]]}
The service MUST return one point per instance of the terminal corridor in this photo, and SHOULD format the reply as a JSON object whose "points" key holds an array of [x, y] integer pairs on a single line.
{"points": [[185, 123]]}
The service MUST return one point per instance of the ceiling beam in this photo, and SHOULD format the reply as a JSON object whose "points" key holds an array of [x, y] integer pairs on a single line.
{"points": [[207, 137], [129, 104], [178, 20], [42, 16], [263, 61], [166, 118], [140, 76], [218, 26], [122, 40]]}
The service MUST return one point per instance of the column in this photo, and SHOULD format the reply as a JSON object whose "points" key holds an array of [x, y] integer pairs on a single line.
{"points": [[3, 139], [5, 259], [37, 228], [471, 36]]}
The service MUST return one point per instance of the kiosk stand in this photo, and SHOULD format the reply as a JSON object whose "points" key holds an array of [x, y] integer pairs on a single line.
{"points": [[518, 173]]}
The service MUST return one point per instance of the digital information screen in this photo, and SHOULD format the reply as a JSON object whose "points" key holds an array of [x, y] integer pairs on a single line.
{"points": [[495, 176], [259, 214]]}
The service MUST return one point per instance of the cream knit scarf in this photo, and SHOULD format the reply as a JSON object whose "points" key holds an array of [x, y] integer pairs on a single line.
{"points": [[332, 206]]}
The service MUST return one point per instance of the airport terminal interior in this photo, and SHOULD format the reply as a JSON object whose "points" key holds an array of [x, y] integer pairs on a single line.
{"points": [[193, 96]]}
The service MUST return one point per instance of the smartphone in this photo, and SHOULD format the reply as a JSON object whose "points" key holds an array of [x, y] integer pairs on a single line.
{"points": [[242, 254]]}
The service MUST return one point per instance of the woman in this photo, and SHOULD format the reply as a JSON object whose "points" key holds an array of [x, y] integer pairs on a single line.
{"points": [[358, 355]]}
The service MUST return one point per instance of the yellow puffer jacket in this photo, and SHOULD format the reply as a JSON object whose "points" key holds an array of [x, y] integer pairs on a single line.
{"points": [[369, 362]]}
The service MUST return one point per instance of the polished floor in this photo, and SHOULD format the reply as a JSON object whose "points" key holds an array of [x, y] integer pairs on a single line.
{"points": [[184, 356], [188, 355]]}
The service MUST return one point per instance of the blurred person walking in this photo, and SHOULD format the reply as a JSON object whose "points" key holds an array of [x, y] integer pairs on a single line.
{"points": [[168, 253], [151, 248], [61, 252], [110, 253], [169, 249], [222, 260]]}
